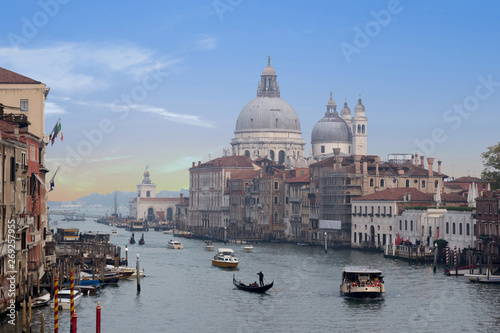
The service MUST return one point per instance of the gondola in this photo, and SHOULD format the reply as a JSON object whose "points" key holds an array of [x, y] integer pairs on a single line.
{"points": [[252, 289], [131, 240], [141, 241]]}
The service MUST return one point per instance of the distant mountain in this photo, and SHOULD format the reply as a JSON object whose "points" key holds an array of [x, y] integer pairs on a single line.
{"points": [[122, 197]]}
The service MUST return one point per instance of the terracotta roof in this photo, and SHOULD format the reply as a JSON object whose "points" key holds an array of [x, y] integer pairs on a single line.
{"points": [[227, 161], [7, 76], [245, 174], [467, 179], [299, 179], [396, 194], [453, 197]]}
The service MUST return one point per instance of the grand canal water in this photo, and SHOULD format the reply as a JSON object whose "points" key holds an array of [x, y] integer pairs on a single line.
{"points": [[183, 292]]}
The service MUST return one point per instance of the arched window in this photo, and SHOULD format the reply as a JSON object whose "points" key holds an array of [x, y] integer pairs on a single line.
{"points": [[423, 183], [247, 153], [281, 156], [363, 129], [359, 128], [447, 227], [407, 183], [271, 155], [275, 217], [371, 182], [453, 228], [460, 229], [382, 183], [436, 184], [276, 200]]}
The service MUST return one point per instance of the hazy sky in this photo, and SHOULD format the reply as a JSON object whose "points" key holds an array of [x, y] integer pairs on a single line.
{"points": [[161, 83]]}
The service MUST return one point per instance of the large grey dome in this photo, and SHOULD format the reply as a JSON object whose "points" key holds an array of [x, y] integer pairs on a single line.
{"points": [[268, 113], [331, 129]]}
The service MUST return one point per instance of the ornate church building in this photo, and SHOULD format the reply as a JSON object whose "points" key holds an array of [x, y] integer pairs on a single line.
{"points": [[268, 127]]}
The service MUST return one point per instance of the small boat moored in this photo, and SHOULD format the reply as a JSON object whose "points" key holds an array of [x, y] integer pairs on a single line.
{"points": [[252, 287], [175, 245], [65, 298], [483, 278], [225, 258], [362, 282]]}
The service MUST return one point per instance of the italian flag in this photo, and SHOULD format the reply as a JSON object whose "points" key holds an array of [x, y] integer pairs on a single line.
{"points": [[56, 132]]}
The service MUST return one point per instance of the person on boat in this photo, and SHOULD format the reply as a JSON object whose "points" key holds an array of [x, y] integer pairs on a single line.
{"points": [[261, 278]]}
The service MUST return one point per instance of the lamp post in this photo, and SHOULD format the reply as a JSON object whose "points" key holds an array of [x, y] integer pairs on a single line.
{"points": [[435, 256], [138, 273], [325, 242], [224, 235], [126, 255]]}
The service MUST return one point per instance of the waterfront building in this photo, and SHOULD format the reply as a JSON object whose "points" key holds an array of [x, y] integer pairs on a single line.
{"points": [[208, 188], [24, 199], [488, 222], [147, 207], [296, 205], [269, 127], [397, 214], [181, 212]]}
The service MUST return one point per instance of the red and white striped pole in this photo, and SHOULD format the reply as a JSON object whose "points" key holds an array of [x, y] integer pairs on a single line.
{"points": [[447, 255], [455, 256], [56, 304]]}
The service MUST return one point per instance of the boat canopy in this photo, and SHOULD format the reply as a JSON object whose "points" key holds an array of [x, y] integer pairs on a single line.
{"points": [[225, 251], [361, 270]]}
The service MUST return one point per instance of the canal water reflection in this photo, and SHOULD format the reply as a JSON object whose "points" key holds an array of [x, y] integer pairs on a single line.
{"points": [[183, 292]]}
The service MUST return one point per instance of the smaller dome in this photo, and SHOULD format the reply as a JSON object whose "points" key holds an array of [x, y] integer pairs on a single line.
{"points": [[345, 109], [359, 106]]}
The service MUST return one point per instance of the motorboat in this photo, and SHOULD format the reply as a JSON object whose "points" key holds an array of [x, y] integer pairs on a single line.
{"points": [[209, 246], [462, 270], [170, 231], [65, 298], [42, 299], [225, 258], [362, 282], [247, 248], [252, 287], [483, 278], [176, 245], [114, 232], [129, 273]]}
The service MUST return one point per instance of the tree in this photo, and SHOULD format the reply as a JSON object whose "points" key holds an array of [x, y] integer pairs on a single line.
{"points": [[491, 162]]}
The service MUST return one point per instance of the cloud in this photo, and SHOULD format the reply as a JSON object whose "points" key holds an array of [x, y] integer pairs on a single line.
{"points": [[109, 158], [52, 108], [174, 117], [205, 43], [82, 67]]}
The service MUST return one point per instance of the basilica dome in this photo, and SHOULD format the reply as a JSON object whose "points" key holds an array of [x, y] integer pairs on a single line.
{"points": [[331, 128]]}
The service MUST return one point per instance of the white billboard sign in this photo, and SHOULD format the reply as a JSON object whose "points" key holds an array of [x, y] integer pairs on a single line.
{"points": [[330, 224]]}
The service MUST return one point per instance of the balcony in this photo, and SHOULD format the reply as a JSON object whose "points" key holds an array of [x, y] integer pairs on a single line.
{"points": [[295, 219], [295, 200]]}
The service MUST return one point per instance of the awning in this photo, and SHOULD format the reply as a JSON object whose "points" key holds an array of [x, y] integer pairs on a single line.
{"points": [[39, 179]]}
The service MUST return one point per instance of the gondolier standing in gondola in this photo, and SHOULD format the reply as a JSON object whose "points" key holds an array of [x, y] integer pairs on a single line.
{"points": [[261, 278]]}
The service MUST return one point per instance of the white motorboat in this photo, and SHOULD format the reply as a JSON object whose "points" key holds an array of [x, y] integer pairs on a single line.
{"points": [[209, 246], [247, 248], [114, 232], [225, 258], [170, 231], [361, 282], [176, 245], [483, 278], [124, 269], [65, 298]]}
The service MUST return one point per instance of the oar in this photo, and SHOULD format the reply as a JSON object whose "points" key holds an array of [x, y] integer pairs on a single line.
{"points": [[273, 287]]}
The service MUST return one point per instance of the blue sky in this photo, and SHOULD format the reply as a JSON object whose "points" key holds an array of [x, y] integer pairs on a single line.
{"points": [[161, 83]]}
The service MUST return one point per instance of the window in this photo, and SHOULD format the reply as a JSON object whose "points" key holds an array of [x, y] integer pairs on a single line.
{"points": [[24, 105], [400, 225], [447, 227], [354, 237], [479, 212], [247, 153], [453, 228], [371, 182], [423, 183], [275, 200], [406, 225], [148, 194], [275, 217], [382, 183], [460, 229], [411, 225], [322, 149], [430, 231], [436, 184], [467, 229], [407, 183], [275, 185]]}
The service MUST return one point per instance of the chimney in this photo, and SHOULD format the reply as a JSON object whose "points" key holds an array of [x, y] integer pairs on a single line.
{"points": [[416, 158], [193, 164], [439, 167], [401, 171], [377, 161], [430, 162], [422, 161], [182, 195], [199, 163], [412, 159], [357, 159]]}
